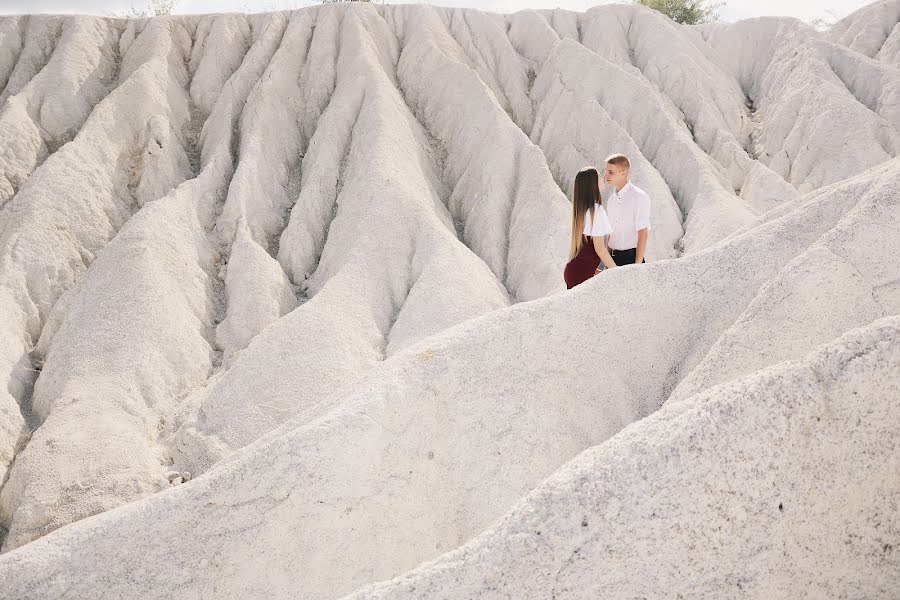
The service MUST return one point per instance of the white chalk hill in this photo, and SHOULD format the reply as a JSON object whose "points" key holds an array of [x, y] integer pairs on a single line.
{"points": [[282, 313]]}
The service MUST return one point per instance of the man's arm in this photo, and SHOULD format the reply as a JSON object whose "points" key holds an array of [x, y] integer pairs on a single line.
{"points": [[643, 234], [642, 221]]}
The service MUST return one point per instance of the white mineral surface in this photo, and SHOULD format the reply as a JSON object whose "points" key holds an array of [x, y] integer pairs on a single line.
{"points": [[282, 312]]}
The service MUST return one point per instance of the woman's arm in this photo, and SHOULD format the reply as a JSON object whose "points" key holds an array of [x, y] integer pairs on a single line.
{"points": [[602, 252]]}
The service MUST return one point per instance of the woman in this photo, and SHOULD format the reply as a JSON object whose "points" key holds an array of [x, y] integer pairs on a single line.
{"points": [[589, 225]]}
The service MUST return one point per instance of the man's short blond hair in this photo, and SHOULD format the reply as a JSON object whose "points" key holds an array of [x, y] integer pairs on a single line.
{"points": [[620, 160]]}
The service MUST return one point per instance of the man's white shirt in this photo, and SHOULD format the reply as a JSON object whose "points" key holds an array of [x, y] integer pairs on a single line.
{"points": [[629, 212]]}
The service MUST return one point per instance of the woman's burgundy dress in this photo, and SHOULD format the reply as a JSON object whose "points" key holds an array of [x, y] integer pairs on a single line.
{"points": [[583, 266]]}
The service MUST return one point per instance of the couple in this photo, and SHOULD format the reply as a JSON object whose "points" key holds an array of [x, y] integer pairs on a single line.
{"points": [[625, 219]]}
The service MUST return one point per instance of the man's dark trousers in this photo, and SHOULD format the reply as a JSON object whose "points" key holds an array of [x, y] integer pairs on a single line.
{"points": [[624, 257]]}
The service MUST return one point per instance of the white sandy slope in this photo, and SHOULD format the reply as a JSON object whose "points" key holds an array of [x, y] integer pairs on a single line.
{"points": [[315, 193], [72, 206], [782, 484], [429, 450], [872, 31]]}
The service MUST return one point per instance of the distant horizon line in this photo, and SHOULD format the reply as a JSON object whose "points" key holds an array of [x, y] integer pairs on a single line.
{"points": [[112, 15]]}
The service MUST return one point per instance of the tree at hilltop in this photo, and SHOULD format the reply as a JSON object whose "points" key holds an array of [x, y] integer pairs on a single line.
{"points": [[154, 8], [686, 12]]}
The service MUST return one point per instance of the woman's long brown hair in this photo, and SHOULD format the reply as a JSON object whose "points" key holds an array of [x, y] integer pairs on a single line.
{"points": [[584, 197]]}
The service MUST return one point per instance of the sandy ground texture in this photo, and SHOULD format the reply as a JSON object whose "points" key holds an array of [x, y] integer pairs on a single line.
{"points": [[282, 311]]}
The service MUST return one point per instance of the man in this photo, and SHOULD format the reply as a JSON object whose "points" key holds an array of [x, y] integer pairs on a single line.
{"points": [[629, 214]]}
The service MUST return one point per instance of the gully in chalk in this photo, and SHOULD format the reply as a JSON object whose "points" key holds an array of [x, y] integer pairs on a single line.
{"points": [[625, 219]]}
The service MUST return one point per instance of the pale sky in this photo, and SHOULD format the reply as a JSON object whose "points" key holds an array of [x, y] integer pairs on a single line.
{"points": [[734, 9]]}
